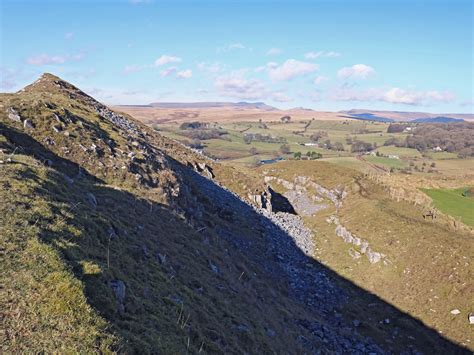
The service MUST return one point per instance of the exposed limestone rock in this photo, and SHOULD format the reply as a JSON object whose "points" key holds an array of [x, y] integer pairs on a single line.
{"points": [[202, 168], [13, 115], [262, 200], [302, 203], [348, 237], [27, 124]]}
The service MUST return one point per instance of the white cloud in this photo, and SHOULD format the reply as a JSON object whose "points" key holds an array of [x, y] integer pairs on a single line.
{"points": [[357, 71], [320, 79], [290, 69], [45, 59], [8, 78], [212, 68], [237, 86], [173, 71], [392, 95], [168, 71], [231, 47], [184, 74], [167, 59], [400, 96], [69, 35], [327, 54], [274, 51], [281, 97], [468, 102]]}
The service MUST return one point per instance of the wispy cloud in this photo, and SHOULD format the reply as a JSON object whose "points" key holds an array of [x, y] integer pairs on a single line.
{"points": [[8, 78], [167, 59], [281, 97], [168, 72], [212, 68], [230, 47], [290, 69], [392, 95], [320, 79], [321, 54], [274, 51], [357, 71], [184, 74], [46, 59], [237, 86], [173, 71]]}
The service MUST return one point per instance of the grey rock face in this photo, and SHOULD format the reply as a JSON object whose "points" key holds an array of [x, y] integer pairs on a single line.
{"points": [[348, 237], [27, 124], [13, 115]]}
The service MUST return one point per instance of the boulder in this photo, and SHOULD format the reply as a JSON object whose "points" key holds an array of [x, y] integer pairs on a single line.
{"points": [[27, 124], [13, 115]]}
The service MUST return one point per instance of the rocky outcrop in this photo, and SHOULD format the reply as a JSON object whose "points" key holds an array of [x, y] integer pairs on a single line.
{"points": [[363, 245], [13, 115], [202, 168], [262, 200]]}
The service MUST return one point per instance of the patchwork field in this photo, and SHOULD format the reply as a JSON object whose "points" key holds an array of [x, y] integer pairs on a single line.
{"points": [[455, 202]]}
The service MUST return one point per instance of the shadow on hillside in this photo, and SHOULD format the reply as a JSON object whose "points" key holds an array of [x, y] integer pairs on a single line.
{"points": [[229, 280]]}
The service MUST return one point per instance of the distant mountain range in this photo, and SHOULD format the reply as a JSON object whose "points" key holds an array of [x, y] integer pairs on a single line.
{"points": [[418, 117], [205, 105], [359, 114]]}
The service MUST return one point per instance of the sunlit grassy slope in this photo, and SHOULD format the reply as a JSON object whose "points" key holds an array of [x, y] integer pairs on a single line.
{"points": [[452, 202]]}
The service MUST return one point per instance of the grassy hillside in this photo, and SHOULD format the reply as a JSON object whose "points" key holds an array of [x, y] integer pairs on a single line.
{"points": [[452, 202], [116, 239], [429, 284]]}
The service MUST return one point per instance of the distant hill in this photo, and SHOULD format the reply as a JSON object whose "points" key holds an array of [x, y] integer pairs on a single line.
{"points": [[437, 119], [370, 117], [392, 116], [237, 105]]}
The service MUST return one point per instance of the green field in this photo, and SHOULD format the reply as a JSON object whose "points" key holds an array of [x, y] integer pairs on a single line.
{"points": [[452, 202], [400, 151]]}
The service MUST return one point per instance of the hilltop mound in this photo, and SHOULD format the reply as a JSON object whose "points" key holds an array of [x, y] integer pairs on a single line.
{"points": [[115, 238]]}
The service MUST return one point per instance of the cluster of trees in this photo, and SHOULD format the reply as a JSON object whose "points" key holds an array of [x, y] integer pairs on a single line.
{"points": [[359, 146], [396, 127], [337, 146], [449, 137], [309, 155], [193, 125], [318, 135], [257, 137], [204, 134], [395, 141]]}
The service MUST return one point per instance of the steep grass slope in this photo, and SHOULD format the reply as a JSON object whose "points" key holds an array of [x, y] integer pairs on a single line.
{"points": [[112, 240], [427, 266]]}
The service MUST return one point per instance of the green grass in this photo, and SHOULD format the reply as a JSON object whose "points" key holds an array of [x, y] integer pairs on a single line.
{"points": [[400, 151], [452, 202], [388, 162]]}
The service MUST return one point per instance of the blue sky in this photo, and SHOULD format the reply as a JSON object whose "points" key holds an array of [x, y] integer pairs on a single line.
{"points": [[407, 55]]}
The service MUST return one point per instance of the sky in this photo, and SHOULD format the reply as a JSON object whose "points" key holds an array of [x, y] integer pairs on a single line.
{"points": [[404, 55]]}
